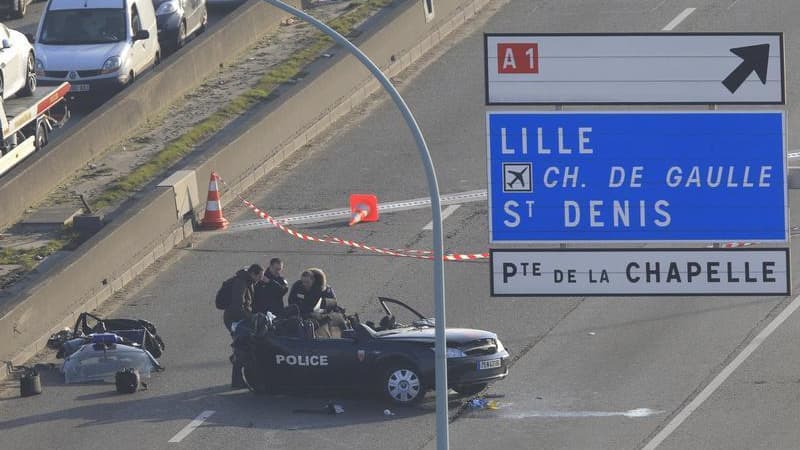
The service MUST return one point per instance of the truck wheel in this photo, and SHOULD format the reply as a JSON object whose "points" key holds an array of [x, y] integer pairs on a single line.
{"points": [[181, 39], [41, 135], [470, 389], [402, 385], [204, 23], [30, 77]]}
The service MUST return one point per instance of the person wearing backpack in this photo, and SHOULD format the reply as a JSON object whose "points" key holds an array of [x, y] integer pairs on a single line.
{"points": [[240, 301], [239, 307]]}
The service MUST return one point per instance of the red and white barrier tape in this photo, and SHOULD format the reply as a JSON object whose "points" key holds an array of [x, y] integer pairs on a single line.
{"points": [[401, 253], [732, 245]]}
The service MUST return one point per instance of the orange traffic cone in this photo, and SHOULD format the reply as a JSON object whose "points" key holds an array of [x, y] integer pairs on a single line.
{"points": [[213, 219], [364, 208]]}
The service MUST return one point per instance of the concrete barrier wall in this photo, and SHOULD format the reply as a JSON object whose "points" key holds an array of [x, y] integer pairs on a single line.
{"points": [[152, 226], [96, 270], [41, 173]]}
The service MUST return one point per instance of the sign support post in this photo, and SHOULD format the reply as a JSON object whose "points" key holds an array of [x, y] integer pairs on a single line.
{"points": [[442, 432]]}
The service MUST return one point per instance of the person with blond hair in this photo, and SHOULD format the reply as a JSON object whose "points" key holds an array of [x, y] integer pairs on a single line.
{"points": [[310, 291]]}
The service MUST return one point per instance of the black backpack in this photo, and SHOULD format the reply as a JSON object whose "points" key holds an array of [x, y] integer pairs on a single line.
{"points": [[224, 294], [127, 381]]}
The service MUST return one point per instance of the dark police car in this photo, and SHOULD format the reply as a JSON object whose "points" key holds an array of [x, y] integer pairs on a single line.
{"points": [[393, 358]]}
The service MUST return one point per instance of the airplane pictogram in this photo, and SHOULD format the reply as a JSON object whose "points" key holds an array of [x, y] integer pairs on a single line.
{"points": [[517, 177]]}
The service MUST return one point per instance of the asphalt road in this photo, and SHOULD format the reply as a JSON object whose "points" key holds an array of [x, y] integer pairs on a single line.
{"points": [[592, 373], [30, 22]]}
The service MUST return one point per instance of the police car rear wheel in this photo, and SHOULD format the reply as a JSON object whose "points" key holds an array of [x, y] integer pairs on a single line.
{"points": [[402, 385], [253, 381]]}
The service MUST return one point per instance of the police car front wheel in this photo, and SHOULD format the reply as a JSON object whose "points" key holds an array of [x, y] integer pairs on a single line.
{"points": [[402, 385]]}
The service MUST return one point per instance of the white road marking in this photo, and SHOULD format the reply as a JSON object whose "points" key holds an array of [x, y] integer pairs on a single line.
{"points": [[678, 19], [722, 376], [633, 413], [445, 214], [794, 154], [344, 213], [659, 5], [192, 425]]}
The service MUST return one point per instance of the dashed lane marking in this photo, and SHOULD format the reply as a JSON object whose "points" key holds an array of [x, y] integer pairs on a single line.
{"points": [[678, 19], [445, 214], [205, 415]]}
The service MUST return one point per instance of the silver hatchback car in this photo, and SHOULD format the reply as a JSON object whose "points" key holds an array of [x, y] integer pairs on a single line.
{"points": [[99, 46]]}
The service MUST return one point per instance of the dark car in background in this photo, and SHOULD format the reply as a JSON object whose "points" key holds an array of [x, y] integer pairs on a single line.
{"points": [[178, 20]]}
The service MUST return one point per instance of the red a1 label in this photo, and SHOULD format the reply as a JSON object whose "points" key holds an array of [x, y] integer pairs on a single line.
{"points": [[518, 58]]}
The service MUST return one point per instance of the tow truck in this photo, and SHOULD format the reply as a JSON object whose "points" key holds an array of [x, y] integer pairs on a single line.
{"points": [[26, 123]]}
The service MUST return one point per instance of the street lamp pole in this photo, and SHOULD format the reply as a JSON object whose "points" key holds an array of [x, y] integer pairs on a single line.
{"points": [[442, 432]]}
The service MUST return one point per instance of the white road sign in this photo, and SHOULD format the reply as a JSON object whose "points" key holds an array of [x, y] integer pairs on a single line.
{"points": [[634, 68], [639, 272]]}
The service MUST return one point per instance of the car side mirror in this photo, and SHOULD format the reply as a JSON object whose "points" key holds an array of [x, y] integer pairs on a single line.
{"points": [[141, 35], [30, 38], [6, 44]]}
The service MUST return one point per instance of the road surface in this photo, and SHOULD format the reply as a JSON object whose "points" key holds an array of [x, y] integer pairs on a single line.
{"points": [[599, 373]]}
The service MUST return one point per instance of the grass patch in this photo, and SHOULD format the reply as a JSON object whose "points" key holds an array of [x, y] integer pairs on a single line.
{"points": [[173, 151], [29, 258]]}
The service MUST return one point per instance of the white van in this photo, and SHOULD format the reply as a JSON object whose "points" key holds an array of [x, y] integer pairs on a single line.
{"points": [[98, 46]]}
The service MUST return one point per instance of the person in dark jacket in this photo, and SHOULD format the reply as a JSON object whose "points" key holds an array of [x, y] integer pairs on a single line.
{"points": [[310, 291], [240, 308], [269, 291], [241, 305]]}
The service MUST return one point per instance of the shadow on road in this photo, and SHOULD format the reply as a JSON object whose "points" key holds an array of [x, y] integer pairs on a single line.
{"points": [[239, 408]]}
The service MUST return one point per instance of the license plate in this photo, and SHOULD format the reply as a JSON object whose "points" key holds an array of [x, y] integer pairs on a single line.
{"points": [[79, 87], [489, 364]]}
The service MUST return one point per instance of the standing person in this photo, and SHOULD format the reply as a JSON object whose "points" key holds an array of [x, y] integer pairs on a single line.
{"points": [[310, 291], [326, 291], [269, 291], [240, 308]]}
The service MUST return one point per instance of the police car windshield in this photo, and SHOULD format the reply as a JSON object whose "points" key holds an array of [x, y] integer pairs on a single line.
{"points": [[83, 26]]}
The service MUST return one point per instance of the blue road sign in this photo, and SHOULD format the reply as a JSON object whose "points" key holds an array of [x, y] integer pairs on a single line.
{"points": [[643, 176]]}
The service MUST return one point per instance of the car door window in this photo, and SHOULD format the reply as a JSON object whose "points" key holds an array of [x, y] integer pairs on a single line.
{"points": [[136, 22]]}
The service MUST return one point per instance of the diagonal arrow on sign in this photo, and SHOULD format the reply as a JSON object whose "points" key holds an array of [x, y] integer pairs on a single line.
{"points": [[755, 58]]}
